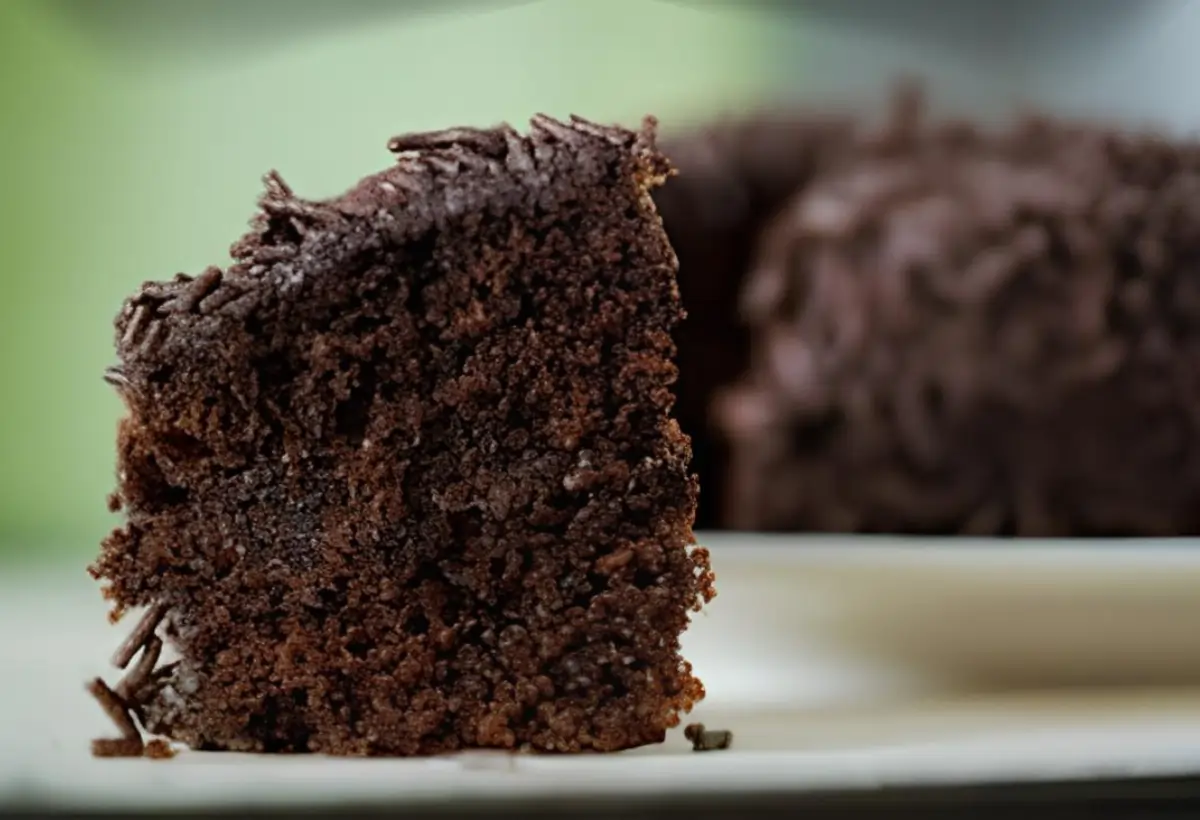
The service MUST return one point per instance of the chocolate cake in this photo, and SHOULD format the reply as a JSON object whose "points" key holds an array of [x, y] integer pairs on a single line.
{"points": [[955, 332], [733, 177], [404, 479]]}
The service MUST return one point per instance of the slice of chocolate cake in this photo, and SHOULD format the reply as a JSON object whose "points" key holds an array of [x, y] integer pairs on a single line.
{"points": [[404, 479]]}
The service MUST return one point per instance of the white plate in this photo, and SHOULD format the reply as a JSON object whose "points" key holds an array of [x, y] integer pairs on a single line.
{"points": [[963, 612], [837, 663]]}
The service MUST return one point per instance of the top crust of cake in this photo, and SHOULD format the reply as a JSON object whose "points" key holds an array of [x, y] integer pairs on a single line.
{"points": [[439, 176]]}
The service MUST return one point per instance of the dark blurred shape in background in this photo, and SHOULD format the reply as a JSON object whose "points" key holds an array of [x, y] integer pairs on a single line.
{"points": [[136, 133]]}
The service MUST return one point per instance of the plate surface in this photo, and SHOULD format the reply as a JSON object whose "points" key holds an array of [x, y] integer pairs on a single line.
{"points": [[837, 663]]}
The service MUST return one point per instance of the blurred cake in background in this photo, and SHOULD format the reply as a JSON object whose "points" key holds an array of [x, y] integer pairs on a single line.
{"points": [[735, 177], [931, 328]]}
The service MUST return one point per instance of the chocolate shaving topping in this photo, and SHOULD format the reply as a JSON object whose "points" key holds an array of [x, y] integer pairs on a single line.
{"points": [[707, 740], [158, 749], [134, 326], [118, 747], [140, 636], [123, 703], [142, 671], [484, 141], [115, 375], [130, 742]]}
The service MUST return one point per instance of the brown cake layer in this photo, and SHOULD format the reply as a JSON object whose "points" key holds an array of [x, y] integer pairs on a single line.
{"points": [[983, 333], [404, 478]]}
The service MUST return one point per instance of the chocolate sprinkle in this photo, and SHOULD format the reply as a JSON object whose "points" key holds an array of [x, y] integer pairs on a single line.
{"points": [[158, 749], [118, 747], [707, 740], [142, 671], [130, 742], [140, 635], [116, 377]]}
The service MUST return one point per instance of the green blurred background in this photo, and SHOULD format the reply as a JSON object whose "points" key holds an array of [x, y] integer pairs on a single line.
{"points": [[135, 134]]}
